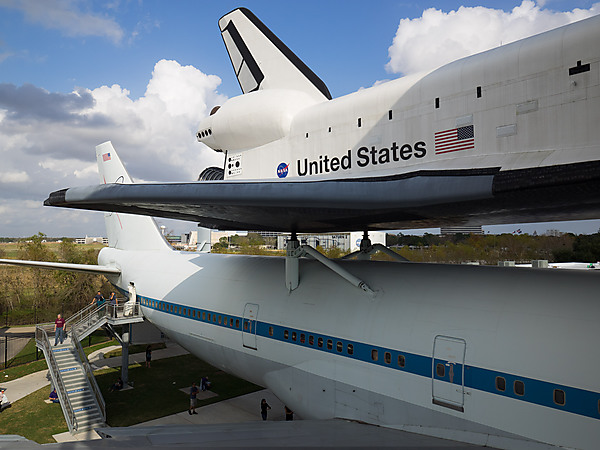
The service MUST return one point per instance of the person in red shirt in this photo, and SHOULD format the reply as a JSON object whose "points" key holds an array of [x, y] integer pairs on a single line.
{"points": [[59, 330]]}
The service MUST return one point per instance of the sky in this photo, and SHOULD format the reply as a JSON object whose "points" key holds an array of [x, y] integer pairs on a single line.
{"points": [[76, 73]]}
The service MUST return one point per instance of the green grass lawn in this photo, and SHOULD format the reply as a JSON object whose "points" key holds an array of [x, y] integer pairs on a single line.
{"points": [[156, 390], [32, 418], [156, 394]]}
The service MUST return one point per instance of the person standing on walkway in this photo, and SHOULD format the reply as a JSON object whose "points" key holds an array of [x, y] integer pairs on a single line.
{"points": [[148, 356], [264, 406], [113, 302], [59, 330], [193, 394], [99, 301], [289, 414]]}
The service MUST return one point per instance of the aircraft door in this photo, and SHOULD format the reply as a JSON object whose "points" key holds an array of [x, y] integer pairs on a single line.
{"points": [[448, 372], [249, 325]]}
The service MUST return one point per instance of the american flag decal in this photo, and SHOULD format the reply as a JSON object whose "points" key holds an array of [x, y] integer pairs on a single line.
{"points": [[106, 157], [462, 138]]}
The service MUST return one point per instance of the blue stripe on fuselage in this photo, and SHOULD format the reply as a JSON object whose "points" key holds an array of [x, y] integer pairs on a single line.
{"points": [[577, 401]]}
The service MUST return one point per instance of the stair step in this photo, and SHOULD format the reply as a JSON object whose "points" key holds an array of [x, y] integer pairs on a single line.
{"points": [[87, 417], [73, 389], [83, 421], [84, 405]]}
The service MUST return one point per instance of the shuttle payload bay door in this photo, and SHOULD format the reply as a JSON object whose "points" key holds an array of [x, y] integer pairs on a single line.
{"points": [[448, 372], [249, 325]]}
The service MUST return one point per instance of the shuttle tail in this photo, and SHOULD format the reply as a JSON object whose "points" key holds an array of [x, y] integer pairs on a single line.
{"points": [[261, 61], [126, 231]]}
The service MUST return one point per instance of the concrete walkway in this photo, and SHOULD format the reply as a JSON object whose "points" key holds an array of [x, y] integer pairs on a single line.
{"points": [[245, 408]]}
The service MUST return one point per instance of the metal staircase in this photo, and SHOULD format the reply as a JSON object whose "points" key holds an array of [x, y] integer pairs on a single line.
{"points": [[78, 393]]}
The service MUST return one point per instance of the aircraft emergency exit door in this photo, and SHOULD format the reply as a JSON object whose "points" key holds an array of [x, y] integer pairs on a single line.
{"points": [[448, 372], [249, 325]]}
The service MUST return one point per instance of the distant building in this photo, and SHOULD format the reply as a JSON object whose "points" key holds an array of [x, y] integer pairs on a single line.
{"points": [[445, 231], [92, 240], [347, 241], [266, 234]]}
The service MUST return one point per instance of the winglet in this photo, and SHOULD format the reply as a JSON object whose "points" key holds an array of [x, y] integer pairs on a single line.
{"points": [[261, 61]]}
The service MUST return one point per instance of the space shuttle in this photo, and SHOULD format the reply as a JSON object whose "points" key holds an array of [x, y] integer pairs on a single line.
{"points": [[496, 356], [505, 136]]}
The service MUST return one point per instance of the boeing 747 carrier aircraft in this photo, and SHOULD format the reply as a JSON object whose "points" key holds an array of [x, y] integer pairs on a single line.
{"points": [[497, 356]]}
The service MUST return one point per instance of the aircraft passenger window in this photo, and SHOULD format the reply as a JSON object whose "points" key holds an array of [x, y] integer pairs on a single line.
{"points": [[320, 342], [203, 316], [330, 129], [478, 91], [339, 346], [390, 114], [359, 122], [171, 308], [270, 331], [302, 338], [329, 344], [519, 387], [184, 311], [500, 384], [209, 317], [401, 360], [311, 340], [437, 102], [387, 357], [219, 320], [230, 322], [293, 335], [440, 370], [374, 355], [194, 313], [286, 334], [350, 349], [559, 397], [246, 325], [215, 318], [306, 135], [237, 323]]}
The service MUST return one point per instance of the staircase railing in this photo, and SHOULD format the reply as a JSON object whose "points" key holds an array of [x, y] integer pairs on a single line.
{"points": [[42, 339], [89, 374], [91, 319], [79, 315]]}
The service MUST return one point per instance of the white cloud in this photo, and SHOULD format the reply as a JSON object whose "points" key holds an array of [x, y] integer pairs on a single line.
{"points": [[51, 146], [67, 17], [438, 37], [14, 177]]}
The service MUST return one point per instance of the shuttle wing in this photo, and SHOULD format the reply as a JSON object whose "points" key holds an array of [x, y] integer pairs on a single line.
{"points": [[417, 200]]}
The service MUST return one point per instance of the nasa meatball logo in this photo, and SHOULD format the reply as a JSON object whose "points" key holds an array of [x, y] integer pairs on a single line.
{"points": [[282, 170]]}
